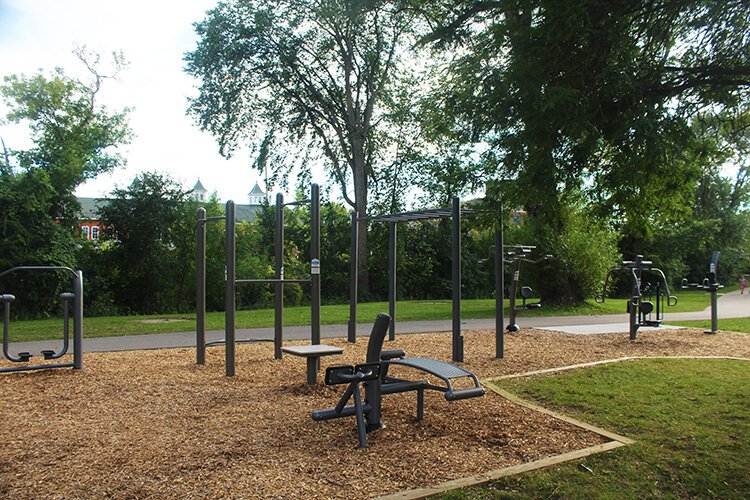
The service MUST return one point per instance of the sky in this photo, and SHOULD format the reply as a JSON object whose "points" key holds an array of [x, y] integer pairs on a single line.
{"points": [[153, 36]]}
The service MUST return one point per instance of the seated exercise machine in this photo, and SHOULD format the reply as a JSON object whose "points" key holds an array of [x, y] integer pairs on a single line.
{"points": [[711, 285], [520, 253], [72, 306], [377, 382], [639, 308]]}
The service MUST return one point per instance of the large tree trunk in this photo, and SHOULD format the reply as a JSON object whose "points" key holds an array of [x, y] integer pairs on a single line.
{"points": [[360, 200]]}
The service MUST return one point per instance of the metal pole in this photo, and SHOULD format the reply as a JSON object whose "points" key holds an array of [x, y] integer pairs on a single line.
{"points": [[200, 294], [278, 303], [458, 340], [714, 309], [315, 263], [512, 326], [713, 283], [78, 322], [633, 317], [229, 290], [352, 330], [499, 293], [392, 245]]}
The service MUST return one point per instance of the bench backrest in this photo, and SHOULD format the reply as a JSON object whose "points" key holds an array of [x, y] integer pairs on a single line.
{"points": [[377, 337]]}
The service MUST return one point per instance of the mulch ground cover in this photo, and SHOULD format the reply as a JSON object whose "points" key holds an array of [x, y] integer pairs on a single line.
{"points": [[154, 424]]}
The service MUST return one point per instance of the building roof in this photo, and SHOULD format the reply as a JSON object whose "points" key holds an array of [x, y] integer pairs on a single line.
{"points": [[199, 187], [257, 190], [247, 212], [90, 207]]}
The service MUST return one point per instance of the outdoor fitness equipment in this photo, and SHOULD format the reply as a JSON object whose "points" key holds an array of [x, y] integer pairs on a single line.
{"points": [[454, 213], [516, 256], [374, 375], [711, 285], [75, 298], [278, 281], [640, 310]]}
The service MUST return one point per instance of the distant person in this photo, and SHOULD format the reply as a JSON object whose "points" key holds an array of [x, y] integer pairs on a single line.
{"points": [[743, 284]]}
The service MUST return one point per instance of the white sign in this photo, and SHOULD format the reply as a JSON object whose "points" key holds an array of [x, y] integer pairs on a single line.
{"points": [[315, 266]]}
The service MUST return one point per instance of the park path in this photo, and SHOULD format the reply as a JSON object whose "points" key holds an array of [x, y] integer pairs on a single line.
{"points": [[731, 305]]}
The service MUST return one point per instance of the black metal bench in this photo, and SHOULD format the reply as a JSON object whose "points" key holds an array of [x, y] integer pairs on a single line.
{"points": [[374, 375]]}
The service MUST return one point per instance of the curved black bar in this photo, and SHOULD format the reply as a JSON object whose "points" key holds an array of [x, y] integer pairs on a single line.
{"points": [[636, 293], [66, 298], [6, 300], [671, 299], [39, 268], [599, 299]]}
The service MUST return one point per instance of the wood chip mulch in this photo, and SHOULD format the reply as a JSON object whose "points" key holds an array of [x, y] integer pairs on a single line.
{"points": [[154, 424]]}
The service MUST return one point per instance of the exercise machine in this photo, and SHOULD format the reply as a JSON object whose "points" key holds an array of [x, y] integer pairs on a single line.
{"points": [[518, 254], [711, 285], [373, 374], [643, 312], [279, 280], [72, 306]]}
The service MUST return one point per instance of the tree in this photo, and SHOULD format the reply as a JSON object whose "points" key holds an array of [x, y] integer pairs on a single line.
{"points": [[593, 96], [73, 139], [313, 73], [150, 244]]}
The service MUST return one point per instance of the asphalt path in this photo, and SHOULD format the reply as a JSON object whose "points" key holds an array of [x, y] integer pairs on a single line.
{"points": [[731, 305]]}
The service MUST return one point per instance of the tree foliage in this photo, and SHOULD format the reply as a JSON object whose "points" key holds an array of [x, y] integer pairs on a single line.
{"points": [[296, 78], [73, 138], [594, 96], [146, 227]]}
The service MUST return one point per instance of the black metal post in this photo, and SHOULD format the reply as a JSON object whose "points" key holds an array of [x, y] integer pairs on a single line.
{"points": [[634, 317], [352, 330], [713, 288], [200, 288], [229, 290], [78, 321], [278, 303], [392, 245], [658, 302], [458, 339], [315, 263], [499, 293], [512, 326]]}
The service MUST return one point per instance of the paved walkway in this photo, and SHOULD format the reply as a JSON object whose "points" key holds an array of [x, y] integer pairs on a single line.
{"points": [[731, 305]]}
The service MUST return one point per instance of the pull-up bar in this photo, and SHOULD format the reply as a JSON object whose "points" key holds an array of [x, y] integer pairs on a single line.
{"points": [[278, 280], [454, 213]]}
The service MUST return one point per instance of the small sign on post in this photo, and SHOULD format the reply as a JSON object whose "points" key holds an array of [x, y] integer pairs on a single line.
{"points": [[315, 266]]}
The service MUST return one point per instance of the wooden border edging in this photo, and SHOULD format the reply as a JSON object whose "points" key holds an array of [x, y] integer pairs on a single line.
{"points": [[605, 361], [559, 416], [493, 475]]}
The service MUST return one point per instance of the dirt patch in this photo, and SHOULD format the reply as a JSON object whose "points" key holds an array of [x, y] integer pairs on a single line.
{"points": [[162, 320], [154, 424]]}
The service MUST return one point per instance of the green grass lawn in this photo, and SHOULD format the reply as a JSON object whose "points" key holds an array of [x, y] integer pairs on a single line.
{"points": [[690, 300], [690, 420], [741, 325]]}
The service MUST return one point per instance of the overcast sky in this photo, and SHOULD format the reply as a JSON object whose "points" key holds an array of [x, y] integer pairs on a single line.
{"points": [[154, 36]]}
